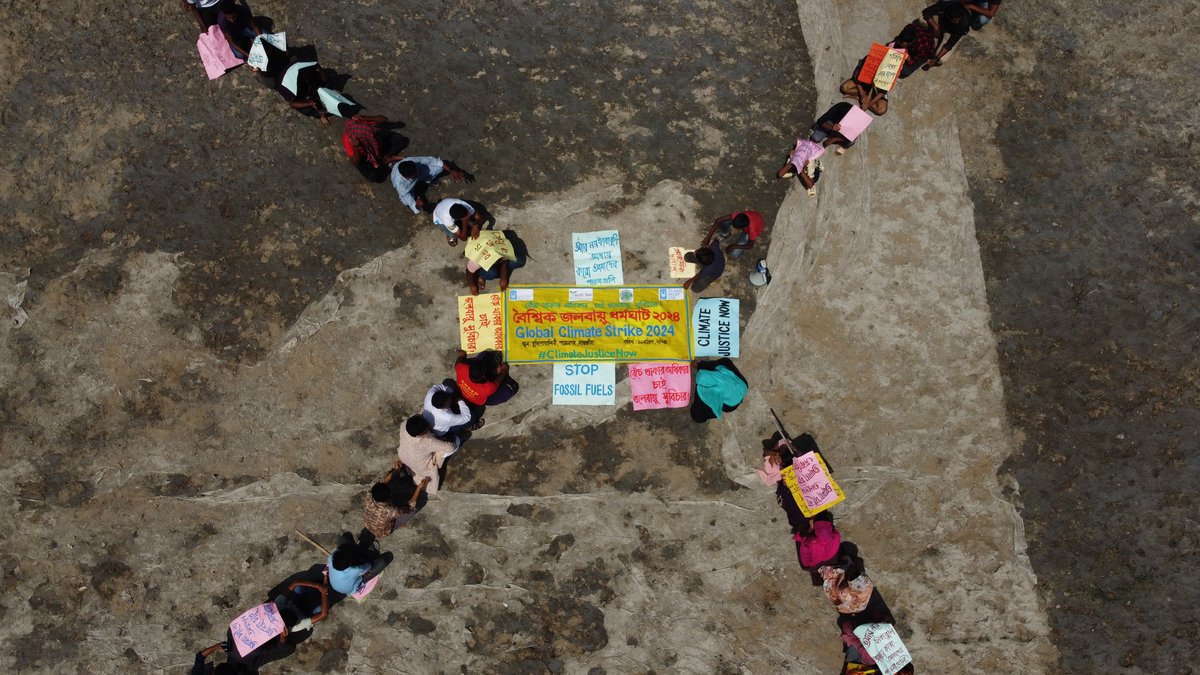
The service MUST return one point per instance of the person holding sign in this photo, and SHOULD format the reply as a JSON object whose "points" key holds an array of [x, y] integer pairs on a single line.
{"points": [[483, 380], [446, 411], [237, 23], [802, 163], [710, 264], [461, 219], [511, 257], [827, 129], [351, 565], [720, 388], [919, 44]]}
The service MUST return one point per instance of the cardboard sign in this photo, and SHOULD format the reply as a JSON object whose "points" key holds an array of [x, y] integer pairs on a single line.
{"points": [[215, 53], [881, 66], [362, 593], [597, 258], [715, 330], [257, 57], [660, 385], [335, 102], [854, 123], [584, 383], [884, 645], [255, 627], [621, 325], [488, 248], [680, 268], [480, 322], [811, 484]]}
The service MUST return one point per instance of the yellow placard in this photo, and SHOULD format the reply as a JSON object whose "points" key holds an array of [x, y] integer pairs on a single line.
{"points": [[830, 494], [481, 322], [624, 324], [488, 248]]}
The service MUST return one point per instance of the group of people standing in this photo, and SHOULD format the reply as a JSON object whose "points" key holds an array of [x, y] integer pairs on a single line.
{"points": [[452, 409]]}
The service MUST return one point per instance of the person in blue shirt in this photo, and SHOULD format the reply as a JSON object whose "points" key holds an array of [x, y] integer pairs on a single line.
{"points": [[412, 176], [352, 565]]}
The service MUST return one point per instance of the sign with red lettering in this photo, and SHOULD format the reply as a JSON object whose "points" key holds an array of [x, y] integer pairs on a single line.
{"points": [[660, 385]]}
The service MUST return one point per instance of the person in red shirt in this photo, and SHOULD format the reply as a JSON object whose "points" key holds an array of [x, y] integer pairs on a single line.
{"points": [[750, 223], [481, 385], [370, 146]]}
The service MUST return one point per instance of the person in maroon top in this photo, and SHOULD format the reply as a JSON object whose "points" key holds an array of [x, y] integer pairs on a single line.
{"points": [[750, 223], [371, 146]]}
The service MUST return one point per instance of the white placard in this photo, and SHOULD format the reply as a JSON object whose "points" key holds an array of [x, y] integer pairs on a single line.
{"points": [[883, 643], [584, 383]]}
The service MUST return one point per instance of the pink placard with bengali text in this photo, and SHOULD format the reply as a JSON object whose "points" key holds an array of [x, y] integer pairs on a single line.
{"points": [[362, 593], [660, 385], [854, 123], [255, 627]]}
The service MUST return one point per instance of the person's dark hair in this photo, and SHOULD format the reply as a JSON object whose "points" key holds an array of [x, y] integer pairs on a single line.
{"points": [[741, 220], [956, 14], [440, 400], [458, 211], [705, 256], [225, 669], [477, 372], [380, 492], [228, 6], [408, 169], [804, 528], [416, 425], [907, 35]]}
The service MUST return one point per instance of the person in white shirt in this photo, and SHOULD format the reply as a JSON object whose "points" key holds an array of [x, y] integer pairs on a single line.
{"points": [[204, 11], [461, 219], [446, 411]]}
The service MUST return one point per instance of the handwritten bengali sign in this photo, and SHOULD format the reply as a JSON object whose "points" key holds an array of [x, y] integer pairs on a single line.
{"points": [[489, 248], [660, 385], [255, 627], [542, 324], [597, 258], [680, 268], [715, 329], [881, 66], [884, 645], [257, 57], [585, 383], [480, 322], [809, 481]]}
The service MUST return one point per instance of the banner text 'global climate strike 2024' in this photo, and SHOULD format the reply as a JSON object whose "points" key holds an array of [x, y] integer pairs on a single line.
{"points": [[618, 323]]}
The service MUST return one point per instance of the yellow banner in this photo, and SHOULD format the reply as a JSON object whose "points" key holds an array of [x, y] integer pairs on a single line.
{"points": [[623, 324], [480, 322]]}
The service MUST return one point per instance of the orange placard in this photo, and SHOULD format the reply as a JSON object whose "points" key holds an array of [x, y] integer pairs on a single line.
{"points": [[881, 67]]}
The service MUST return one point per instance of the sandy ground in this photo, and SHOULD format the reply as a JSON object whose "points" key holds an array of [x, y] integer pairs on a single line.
{"points": [[225, 326]]}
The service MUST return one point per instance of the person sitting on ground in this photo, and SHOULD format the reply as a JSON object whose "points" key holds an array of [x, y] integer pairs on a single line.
{"points": [[919, 43], [827, 129], [720, 388], [710, 265], [804, 164], [750, 224], [422, 453], [483, 380], [948, 17], [412, 176], [477, 276], [371, 146], [446, 411], [846, 581], [237, 23], [352, 564], [393, 501], [204, 11], [300, 605], [461, 219], [982, 13]]}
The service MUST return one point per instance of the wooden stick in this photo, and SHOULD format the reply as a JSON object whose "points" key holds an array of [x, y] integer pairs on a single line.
{"points": [[784, 434], [305, 537]]}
